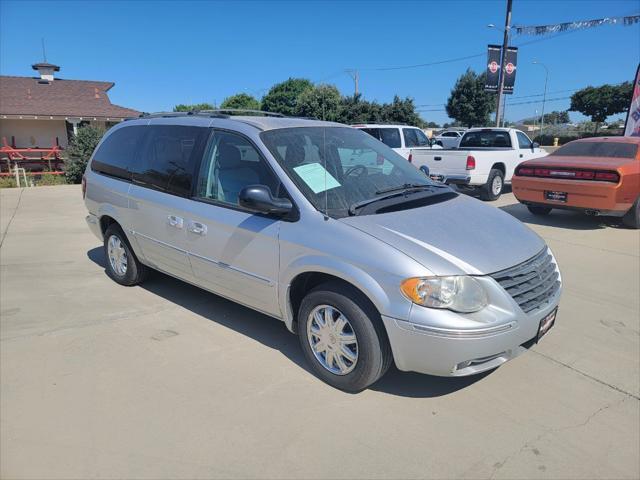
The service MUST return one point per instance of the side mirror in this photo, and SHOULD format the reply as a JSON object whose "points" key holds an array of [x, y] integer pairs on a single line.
{"points": [[258, 198], [535, 145]]}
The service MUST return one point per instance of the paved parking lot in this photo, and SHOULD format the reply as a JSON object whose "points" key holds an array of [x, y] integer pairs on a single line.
{"points": [[166, 380]]}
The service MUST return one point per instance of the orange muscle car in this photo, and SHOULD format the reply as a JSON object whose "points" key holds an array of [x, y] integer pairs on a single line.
{"points": [[600, 176]]}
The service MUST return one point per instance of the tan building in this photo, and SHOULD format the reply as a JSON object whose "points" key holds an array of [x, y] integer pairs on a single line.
{"points": [[37, 112]]}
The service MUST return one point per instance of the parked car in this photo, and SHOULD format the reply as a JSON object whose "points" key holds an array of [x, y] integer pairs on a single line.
{"points": [[401, 138], [449, 138], [484, 161], [598, 176], [272, 213]]}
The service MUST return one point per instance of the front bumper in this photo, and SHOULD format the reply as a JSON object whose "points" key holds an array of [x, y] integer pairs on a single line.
{"points": [[448, 352]]}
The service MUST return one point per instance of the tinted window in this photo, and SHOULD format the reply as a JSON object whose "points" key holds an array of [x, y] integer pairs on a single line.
{"points": [[414, 137], [117, 153], [374, 132], [486, 138], [599, 149], [449, 134], [231, 164], [410, 137], [423, 140], [390, 137], [523, 140], [170, 156]]}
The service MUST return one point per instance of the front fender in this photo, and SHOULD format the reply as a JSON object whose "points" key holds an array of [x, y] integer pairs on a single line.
{"points": [[348, 272]]}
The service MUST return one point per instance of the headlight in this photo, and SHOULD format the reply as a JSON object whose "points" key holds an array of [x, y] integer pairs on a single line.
{"points": [[459, 293]]}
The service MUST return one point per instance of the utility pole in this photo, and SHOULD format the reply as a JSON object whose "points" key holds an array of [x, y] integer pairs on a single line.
{"points": [[353, 73], [505, 44], [544, 95]]}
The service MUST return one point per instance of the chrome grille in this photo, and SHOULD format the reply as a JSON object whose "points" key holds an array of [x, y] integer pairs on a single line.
{"points": [[533, 283]]}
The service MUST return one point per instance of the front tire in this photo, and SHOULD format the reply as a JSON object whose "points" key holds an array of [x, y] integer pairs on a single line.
{"points": [[537, 210], [632, 217], [342, 337], [493, 188], [122, 264]]}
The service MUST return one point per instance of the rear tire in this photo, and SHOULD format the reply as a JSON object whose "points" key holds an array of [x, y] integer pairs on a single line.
{"points": [[493, 188], [323, 333], [122, 264], [537, 210], [632, 218]]}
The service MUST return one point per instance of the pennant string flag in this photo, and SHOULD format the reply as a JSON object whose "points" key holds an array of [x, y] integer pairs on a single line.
{"points": [[580, 24]]}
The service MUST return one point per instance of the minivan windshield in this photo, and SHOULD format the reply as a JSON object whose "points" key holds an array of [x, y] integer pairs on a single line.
{"points": [[339, 169]]}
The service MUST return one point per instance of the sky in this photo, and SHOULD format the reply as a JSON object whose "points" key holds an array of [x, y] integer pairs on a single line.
{"points": [[163, 53]]}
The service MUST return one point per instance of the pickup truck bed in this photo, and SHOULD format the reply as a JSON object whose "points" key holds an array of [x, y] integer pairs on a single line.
{"points": [[479, 166]]}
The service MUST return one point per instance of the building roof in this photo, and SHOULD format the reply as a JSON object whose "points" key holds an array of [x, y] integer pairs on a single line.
{"points": [[30, 96]]}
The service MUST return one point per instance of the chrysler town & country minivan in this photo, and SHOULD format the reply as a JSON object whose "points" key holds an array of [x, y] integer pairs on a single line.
{"points": [[329, 230]]}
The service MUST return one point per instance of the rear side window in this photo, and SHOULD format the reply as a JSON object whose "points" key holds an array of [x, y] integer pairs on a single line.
{"points": [[117, 154], [598, 149], [171, 154], [486, 139], [449, 134], [374, 132], [390, 137]]}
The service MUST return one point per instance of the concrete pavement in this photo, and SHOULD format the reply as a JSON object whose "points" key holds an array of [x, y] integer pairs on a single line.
{"points": [[167, 381]]}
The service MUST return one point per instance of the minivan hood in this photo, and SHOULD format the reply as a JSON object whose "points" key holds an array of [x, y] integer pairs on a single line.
{"points": [[458, 236]]}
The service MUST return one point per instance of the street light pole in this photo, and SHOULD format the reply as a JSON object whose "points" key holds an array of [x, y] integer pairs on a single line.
{"points": [[544, 95], [505, 44]]}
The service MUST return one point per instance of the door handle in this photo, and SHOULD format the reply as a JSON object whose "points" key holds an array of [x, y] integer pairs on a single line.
{"points": [[174, 221], [521, 155], [198, 228], [437, 158]]}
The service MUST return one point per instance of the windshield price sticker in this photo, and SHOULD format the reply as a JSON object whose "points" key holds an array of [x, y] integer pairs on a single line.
{"points": [[316, 177]]}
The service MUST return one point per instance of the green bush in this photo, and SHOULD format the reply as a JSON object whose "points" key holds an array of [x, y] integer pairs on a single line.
{"points": [[7, 182], [49, 179], [79, 151], [547, 139]]}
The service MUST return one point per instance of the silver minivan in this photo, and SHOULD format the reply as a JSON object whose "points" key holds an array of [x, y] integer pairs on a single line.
{"points": [[329, 230]]}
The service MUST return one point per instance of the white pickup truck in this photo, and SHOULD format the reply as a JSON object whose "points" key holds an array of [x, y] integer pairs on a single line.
{"points": [[485, 159]]}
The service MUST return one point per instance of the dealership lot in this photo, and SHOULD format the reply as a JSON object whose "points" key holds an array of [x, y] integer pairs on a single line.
{"points": [[166, 380]]}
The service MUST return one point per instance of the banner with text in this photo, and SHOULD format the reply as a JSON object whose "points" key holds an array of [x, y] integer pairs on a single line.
{"points": [[493, 68], [632, 125], [510, 66]]}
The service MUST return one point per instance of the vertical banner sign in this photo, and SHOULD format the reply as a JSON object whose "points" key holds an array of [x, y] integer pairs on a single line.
{"points": [[510, 65], [632, 125], [493, 68]]}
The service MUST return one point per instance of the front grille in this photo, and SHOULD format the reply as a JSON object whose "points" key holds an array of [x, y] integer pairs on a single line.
{"points": [[533, 283]]}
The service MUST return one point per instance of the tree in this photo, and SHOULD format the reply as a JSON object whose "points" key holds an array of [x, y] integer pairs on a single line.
{"points": [[353, 109], [468, 103], [431, 125], [241, 101], [601, 102], [401, 111], [79, 151], [556, 117], [321, 101], [283, 97], [194, 107]]}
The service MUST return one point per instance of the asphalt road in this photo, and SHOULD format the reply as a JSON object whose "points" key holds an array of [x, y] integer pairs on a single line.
{"points": [[165, 380]]}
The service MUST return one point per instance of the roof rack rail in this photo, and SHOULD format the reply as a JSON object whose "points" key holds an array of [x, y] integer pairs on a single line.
{"points": [[179, 114], [240, 110]]}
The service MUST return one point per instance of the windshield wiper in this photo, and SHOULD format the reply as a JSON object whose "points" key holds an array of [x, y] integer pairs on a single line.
{"points": [[391, 192], [409, 186]]}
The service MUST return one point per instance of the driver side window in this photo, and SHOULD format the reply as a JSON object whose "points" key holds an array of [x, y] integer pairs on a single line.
{"points": [[231, 164], [523, 140]]}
